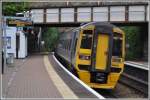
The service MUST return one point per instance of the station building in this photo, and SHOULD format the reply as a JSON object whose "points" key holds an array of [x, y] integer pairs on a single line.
{"points": [[16, 39]]}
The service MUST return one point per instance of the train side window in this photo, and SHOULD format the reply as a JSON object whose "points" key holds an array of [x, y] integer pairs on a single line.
{"points": [[69, 44], [66, 44], [63, 42], [86, 41], [75, 41]]}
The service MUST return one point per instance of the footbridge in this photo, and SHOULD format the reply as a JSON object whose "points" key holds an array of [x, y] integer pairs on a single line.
{"points": [[73, 14]]}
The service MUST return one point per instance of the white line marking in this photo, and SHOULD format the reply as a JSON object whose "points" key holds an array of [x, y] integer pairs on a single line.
{"points": [[146, 65], [136, 66], [79, 81]]}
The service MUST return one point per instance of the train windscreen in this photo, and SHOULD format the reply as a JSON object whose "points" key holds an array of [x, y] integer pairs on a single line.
{"points": [[117, 47], [86, 41]]}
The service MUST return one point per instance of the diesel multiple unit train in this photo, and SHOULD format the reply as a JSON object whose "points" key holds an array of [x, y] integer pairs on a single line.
{"points": [[94, 52]]}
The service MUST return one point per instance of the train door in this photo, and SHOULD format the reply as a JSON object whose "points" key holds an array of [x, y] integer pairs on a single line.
{"points": [[101, 57], [102, 51]]}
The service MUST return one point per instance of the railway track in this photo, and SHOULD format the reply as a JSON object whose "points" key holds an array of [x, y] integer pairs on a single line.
{"points": [[122, 91], [133, 83], [135, 78], [106, 93]]}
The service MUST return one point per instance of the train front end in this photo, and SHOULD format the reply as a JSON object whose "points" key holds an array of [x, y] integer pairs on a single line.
{"points": [[100, 55]]}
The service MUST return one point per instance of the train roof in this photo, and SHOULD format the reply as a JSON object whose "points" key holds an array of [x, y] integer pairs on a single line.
{"points": [[97, 24], [104, 27]]}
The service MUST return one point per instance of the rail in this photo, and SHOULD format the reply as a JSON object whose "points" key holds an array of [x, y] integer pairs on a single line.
{"points": [[135, 77]]}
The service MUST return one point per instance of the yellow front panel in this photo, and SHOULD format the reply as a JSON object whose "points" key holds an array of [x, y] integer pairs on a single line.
{"points": [[84, 76], [102, 50], [85, 51], [84, 62]]}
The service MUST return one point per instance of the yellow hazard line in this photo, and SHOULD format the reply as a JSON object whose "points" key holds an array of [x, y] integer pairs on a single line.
{"points": [[64, 90]]}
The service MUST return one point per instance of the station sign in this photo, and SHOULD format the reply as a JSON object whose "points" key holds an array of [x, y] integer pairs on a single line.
{"points": [[19, 22]]}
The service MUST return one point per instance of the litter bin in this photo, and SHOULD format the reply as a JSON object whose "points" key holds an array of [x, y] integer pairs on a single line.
{"points": [[10, 59]]}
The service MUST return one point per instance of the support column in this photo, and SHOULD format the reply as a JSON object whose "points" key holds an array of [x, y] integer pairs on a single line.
{"points": [[126, 13], [59, 14], [44, 19], [145, 13], [108, 13], [92, 13], [1, 61], [75, 14]]}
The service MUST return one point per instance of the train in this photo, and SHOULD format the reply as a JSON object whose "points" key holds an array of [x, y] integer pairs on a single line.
{"points": [[94, 52]]}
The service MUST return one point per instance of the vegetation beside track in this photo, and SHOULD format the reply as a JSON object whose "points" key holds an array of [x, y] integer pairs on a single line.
{"points": [[50, 38], [133, 39]]}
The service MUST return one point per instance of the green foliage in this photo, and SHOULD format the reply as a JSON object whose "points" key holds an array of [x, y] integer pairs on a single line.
{"points": [[11, 8], [50, 37], [132, 35]]}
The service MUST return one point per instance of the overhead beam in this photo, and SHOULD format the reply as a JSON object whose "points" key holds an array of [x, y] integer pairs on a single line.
{"points": [[45, 5], [78, 24]]}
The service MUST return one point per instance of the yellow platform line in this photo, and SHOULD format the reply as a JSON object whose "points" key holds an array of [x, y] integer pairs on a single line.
{"points": [[64, 90]]}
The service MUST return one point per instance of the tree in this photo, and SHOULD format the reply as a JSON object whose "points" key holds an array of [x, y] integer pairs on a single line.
{"points": [[132, 35], [11, 8], [50, 37]]}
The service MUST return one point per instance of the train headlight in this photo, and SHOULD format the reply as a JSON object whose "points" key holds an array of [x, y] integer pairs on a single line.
{"points": [[84, 57]]}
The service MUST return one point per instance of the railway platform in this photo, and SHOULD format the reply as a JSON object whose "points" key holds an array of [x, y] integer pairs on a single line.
{"points": [[138, 64], [42, 76]]}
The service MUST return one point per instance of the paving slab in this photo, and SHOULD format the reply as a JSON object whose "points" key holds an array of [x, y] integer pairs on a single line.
{"points": [[30, 78], [32, 81]]}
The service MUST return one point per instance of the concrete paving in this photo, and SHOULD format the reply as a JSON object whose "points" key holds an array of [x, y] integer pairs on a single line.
{"points": [[37, 77], [31, 81]]}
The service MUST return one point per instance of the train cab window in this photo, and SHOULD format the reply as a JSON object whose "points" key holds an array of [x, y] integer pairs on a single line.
{"points": [[86, 41], [117, 47]]}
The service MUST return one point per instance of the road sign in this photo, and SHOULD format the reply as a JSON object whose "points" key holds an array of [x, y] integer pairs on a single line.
{"points": [[18, 22]]}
